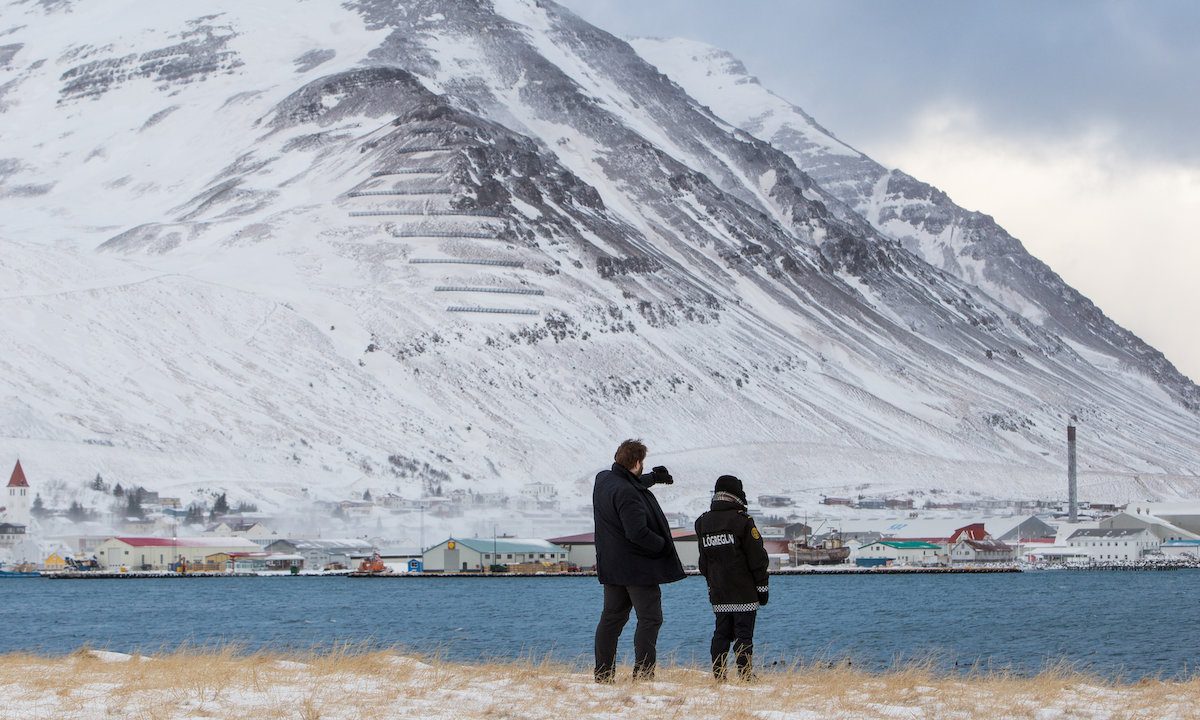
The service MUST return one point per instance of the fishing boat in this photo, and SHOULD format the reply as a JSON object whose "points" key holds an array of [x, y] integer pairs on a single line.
{"points": [[831, 550], [372, 565], [824, 554], [22, 570]]}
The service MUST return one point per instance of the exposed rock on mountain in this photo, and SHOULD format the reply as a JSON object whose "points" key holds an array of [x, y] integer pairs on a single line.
{"points": [[476, 243]]}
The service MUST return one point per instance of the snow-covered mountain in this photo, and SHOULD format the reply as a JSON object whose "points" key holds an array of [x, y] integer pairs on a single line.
{"points": [[292, 248], [968, 245]]}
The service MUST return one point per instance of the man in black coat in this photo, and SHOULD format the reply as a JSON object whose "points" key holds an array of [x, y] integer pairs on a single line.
{"points": [[634, 555], [734, 562]]}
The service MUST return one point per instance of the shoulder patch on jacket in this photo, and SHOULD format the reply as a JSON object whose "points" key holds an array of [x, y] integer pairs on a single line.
{"points": [[754, 533]]}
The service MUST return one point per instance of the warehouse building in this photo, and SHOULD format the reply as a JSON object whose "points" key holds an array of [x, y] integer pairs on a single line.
{"points": [[1181, 549], [322, 553], [1159, 527], [581, 548], [1183, 515], [1106, 545], [161, 554], [900, 552], [478, 554]]}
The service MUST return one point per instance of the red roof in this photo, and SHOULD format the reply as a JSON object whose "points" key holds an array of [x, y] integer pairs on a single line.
{"points": [[580, 539], [18, 477], [220, 543], [974, 531], [148, 541]]}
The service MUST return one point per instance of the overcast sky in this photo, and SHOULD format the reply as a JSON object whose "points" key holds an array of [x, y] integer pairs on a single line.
{"points": [[1075, 123]]}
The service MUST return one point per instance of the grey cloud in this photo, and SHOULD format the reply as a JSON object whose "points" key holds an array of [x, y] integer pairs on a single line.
{"points": [[1027, 68]]}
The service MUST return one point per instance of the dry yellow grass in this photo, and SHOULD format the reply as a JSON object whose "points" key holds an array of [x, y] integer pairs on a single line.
{"points": [[358, 683]]}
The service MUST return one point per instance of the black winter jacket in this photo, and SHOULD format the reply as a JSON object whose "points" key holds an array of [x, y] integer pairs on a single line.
{"points": [[732, 557], [633, 539]]}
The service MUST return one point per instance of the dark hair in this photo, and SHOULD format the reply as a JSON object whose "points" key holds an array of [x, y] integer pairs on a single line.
{"points": [[630, 453]]}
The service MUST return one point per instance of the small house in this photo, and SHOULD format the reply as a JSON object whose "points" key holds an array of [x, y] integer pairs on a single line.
{"points": [[11, 534], [968, 551], [796, 531], [775, 501], [356, 508], [540, 495]]}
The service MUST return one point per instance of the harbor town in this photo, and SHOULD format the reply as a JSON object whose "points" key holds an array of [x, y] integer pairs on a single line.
{"points": [[155, 536]]}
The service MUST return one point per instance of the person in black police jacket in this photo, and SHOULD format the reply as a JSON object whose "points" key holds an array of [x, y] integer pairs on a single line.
{"points": [[634, 555], [734, 561]]}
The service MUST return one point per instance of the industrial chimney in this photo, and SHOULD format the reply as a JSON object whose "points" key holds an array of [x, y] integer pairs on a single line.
{"points": [[1072, 486]]}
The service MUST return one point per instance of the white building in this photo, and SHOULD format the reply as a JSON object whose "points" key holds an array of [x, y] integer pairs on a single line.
{"points": [[581, 549], [1108, 545], [158, 554], [318, 553], [250, 529], [539, 495], [477, 554], [18, 499], [11, 534], [968, 551]]}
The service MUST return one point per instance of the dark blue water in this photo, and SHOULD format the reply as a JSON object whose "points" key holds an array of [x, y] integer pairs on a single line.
{"points": [[1118, 624]]}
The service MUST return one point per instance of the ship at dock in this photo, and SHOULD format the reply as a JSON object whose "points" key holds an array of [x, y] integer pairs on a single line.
{"points": [[20, 570], [830, 551]]}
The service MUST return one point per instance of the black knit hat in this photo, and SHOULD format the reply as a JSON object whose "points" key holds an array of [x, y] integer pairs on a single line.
{"points": [[731, 485]]}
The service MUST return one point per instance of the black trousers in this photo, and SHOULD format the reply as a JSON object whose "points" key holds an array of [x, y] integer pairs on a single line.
{"points": [[646, 601], [736, 628]]}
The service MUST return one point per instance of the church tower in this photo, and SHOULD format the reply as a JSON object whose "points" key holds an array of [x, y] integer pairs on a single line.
{"points": [[17, 498]]}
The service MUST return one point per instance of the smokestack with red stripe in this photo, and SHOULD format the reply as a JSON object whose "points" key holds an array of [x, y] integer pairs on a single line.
{"points": [[1072, 486]]}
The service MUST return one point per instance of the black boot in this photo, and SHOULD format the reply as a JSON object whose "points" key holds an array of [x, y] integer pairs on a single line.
{"points": [[745, 667], [718, 666], [643, 671]]}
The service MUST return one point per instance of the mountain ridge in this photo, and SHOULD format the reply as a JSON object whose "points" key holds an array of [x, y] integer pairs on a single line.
{"points": [[867, 185], [288, 312]]}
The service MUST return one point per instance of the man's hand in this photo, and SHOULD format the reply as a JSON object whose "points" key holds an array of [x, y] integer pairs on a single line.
{"points": [[763, 597], [661, 475]]}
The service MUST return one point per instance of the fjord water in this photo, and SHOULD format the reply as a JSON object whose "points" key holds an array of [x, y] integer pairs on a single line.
{"points": [[1116, 624]]}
